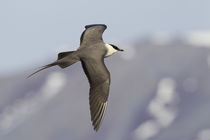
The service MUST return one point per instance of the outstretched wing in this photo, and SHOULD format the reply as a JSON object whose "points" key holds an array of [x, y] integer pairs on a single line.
{"points": [[99, 79], [92, 34]]}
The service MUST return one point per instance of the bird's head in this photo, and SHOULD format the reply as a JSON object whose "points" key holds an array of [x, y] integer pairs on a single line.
{"points": [[116, 48], [111, 49]]}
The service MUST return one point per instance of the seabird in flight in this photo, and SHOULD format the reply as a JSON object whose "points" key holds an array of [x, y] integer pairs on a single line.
{"points": [[91, 53]]}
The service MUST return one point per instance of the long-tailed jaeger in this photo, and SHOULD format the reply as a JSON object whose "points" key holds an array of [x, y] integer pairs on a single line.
{"points": [[91, 53]]}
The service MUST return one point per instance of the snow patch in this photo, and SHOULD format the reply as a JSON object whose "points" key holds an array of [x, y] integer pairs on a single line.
{"points": [[147, 130], [198, 38], [18, 112], [161, 108], [204, 135]]}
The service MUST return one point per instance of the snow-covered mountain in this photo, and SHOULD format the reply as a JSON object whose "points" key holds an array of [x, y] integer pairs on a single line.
{"points": [[159, 91]]}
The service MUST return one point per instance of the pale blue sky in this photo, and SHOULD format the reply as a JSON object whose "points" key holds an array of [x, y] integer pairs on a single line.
{"points": [[32, 32]]}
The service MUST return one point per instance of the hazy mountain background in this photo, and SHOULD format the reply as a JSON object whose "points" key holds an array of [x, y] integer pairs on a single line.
{"points": [[160, 84], [159, 91]]}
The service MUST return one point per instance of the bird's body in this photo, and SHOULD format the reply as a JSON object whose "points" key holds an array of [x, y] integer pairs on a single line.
{"points": [[91, 53]]}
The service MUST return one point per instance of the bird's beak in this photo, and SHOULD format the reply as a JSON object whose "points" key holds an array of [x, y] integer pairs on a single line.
{"points": [[121, 50]]}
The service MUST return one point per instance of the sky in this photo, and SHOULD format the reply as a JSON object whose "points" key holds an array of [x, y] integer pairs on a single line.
{"points": [[33, 32]]}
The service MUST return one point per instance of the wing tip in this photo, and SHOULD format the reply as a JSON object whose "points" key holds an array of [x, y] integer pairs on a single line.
{"points": [[98, 118]]}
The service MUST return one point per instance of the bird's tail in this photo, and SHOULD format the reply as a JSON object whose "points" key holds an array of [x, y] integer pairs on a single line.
{"points": [[42, 68], [64, 60]]}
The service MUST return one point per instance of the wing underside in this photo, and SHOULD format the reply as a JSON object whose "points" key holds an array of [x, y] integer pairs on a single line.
{"points": [[99, 79]]}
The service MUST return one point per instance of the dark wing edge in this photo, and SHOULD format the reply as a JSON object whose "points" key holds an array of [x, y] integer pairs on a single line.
{"points": [[82, 36], [92, 25]]}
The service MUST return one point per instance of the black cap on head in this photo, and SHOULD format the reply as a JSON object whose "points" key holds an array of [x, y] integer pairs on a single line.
{"points": [[116, 48]]}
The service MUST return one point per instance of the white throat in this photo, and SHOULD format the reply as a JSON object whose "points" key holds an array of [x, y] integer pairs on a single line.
{"points": [[110, 50]]}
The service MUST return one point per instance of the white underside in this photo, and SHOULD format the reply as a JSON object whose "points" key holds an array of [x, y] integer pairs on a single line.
{"points": [[110, 50]]}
